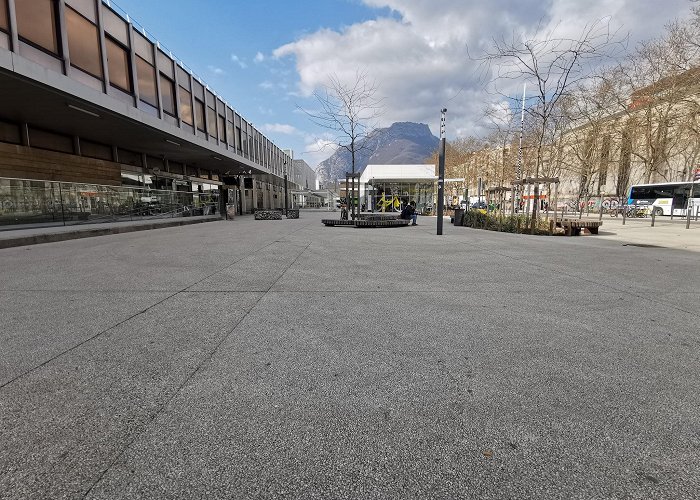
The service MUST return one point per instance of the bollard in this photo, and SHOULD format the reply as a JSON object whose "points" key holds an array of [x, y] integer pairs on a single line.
{"points": [[653, 218], [551, 227]]}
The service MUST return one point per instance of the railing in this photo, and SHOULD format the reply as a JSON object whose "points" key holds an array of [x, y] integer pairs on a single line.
{"points": [[27, 202]]}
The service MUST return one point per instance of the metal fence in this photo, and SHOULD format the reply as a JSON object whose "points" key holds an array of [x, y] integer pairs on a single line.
{"points": [[60, 203]]}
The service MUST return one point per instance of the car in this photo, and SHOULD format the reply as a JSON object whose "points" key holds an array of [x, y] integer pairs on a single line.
{"points": [[479, 204]]}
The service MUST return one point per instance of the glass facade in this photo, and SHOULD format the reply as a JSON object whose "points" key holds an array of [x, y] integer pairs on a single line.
{"points": [[4, 20], [83, 43], [186, 106], [30, 202], [392, 195], [167, 92], [146, 75], [36, 23], [199, 115], [118, 66], [107, 53]]}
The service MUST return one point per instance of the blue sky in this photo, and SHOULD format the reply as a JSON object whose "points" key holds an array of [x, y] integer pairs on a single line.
{"points": [[229, 44], [266, 57]]}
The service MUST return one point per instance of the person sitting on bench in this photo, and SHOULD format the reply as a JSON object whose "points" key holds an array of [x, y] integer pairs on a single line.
{"points": [[409, 213]]}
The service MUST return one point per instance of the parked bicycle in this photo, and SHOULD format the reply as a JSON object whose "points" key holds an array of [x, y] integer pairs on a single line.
{"points": [[629, 211]]}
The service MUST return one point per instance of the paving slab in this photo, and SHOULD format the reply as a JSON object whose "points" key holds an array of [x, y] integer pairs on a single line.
{"points": [[39, 325], [286, 359], [63, 424]]}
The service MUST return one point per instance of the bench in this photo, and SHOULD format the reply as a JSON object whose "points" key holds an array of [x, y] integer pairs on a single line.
{"points": [[379, 216], [338, 222], [382, 223], [572, 227], [366, 223]]}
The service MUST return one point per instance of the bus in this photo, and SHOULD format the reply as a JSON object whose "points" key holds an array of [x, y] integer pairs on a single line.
{"points": [[662, 198]]}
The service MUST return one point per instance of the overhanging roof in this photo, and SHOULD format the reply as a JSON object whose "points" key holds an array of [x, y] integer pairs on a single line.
{"points": [[40, 97]]}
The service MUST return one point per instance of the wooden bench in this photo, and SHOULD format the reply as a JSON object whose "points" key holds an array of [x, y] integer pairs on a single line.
{"points": [[379, 216], [366, 223], [338, 222], [572, 227], [382, 223]]}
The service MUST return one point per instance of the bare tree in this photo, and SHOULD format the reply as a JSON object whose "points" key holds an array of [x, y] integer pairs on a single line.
{"points": [[350, 111], [554, 66], [503, 125]]}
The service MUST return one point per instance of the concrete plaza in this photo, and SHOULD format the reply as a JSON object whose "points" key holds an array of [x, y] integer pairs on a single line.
{"points": [[285, 359]]}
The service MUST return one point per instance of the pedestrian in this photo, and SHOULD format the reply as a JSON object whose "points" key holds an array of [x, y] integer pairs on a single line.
{"points": [[409, 213]]}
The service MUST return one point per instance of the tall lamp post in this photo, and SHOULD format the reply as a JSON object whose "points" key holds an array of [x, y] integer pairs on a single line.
{"points": [[286, 204], [441, 173]]}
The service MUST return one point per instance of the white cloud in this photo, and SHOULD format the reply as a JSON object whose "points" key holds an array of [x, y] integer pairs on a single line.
{"points": [[280, 128], [259, 57], [318, 148], [420, 60], [216, 71], [239, 61]]}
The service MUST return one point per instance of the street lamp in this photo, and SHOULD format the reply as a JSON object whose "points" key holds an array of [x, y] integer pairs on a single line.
{"points": [[441, 173]]}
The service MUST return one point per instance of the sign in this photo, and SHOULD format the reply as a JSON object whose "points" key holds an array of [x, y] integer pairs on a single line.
{"points": [[697, 174]]}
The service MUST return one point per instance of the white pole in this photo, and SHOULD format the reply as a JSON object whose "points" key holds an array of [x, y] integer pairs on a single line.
{"points": [[520, 146]]}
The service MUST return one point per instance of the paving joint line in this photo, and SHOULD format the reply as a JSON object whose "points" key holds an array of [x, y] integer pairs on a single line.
{"points": [[99, 334], [141, 430], [144, 427], [588, 280]]}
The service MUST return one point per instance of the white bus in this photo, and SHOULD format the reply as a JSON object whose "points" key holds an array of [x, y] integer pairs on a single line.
{"points": [[662, 198]]}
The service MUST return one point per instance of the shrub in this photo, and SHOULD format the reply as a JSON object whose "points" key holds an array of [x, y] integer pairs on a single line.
{"points": [[519, 223]]}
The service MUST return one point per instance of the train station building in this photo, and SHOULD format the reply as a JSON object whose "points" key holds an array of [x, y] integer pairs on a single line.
{"points": [[98, 119]]}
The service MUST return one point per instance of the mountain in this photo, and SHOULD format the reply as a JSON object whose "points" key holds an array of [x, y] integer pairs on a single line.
{"points": [[401, 143]]}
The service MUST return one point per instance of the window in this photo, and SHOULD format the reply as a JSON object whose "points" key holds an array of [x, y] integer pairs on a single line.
{"points": [[229, 134], [176, 168], [83, 43], [146, 74], [118, 64], [244, 141], [43, 139], [199, 115], [4, 22], [167, 92], [239, 140], [36, 23], [9, 132], [130, 157], [211, 121], [222, 128], [95, 150], [186, 106]]}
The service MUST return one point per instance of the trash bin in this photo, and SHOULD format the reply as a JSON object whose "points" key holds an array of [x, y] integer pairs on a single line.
{"points": [[230, 211], [459, 216]]}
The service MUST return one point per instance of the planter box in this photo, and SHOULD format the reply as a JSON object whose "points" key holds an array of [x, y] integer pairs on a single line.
{"points": [[292, 213], [268, 215]]}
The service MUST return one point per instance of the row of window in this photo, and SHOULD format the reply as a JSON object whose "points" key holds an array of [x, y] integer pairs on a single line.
{"points": [[52, 141], [135, 67]]}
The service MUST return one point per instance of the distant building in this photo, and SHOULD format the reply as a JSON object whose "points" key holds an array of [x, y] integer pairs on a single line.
{"points": [[389, 187]]}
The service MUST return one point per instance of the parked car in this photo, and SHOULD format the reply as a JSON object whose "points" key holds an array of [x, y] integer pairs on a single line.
{"points": [[479, 204]]}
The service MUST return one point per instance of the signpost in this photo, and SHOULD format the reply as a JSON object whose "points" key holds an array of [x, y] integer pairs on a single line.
{"points": [[441, 173]]}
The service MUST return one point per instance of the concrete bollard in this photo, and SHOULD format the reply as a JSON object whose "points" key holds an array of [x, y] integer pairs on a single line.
{"points": [[653, 218]]}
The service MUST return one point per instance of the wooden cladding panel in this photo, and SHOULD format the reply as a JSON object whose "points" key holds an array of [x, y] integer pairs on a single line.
{"points": [[26, 163]]}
